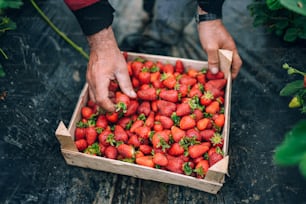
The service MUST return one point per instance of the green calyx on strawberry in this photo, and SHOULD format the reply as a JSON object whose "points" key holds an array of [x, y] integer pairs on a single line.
{"points": [[217, 140], [93, 149], [121, 107]]}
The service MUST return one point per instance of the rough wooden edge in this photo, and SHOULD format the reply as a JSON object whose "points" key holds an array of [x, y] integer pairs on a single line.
{"points": [[64, 137], [137, 171], [217, 172]]}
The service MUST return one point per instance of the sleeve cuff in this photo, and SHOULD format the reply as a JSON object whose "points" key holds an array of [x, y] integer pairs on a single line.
{"points": [[212, 6], [95, 17]]}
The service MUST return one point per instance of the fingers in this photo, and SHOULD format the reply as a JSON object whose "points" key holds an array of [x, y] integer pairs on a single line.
{"points": [[102, 96], [213, 60], [236, 64], [124, 81]]}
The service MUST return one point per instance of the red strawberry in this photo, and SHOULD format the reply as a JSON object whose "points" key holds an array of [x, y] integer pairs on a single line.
{"points": [[79, 133], [175, 164], [183, 109], [131, 108], [149, 64], [183, 89], [113, 86], [169, 80], [215, 87], [217, 140], [101, 121], [176, 149], [150, 120], [213, 108], [122, 98], [86, 112], [143, 131], [197, 150], [201, 78], [91, 135], [147, 94], [214, 158], [198, 114], [177, 133], [187, 122], [219, 120], [168, 68], [203, 123], [160, 159], [135, 82], [166, 122], [211, 76], [133, 140], [125, 122], [120, 134], [206, 98], [111, 152], [144, 108], [106, 138], [195, 91], [193, 133], [127, 151], [81, 144], [145, 149], [112, 117], [187, 80], [144, 76], [136, 67], [136, 124], [165, 108], [145, 161], [179, 66], [201, 168], [169, 95], [160, 140], [207, 134]]}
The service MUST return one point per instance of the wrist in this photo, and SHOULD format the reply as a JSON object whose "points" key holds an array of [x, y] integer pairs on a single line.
{"points": [[103, 38]]}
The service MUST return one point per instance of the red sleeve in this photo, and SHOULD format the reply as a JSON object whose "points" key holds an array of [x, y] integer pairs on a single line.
{"points": [[78, 4]]}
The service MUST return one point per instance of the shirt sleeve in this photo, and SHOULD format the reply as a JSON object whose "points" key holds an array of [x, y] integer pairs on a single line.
{"points": [[92, 15], [212, 6]]}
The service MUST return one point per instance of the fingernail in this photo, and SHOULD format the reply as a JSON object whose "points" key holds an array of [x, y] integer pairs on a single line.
{"points": [[214, 70], [133, 94]]}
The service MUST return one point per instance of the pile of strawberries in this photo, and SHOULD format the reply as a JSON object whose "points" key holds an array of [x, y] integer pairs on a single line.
{"points": [[175, 123]]}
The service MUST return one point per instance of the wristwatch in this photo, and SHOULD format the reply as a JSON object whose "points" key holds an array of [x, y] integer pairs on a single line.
{"points": [[205, 17]]}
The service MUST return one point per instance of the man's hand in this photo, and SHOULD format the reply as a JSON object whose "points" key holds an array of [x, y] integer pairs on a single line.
{"points": [[106, 63], [213, 36]]}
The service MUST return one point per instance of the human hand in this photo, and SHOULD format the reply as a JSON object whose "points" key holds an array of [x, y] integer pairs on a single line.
{"points": [[214, 36], [106, 63]]}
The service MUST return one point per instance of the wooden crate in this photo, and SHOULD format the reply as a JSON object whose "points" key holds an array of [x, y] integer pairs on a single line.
{"points": [[215, 177]]}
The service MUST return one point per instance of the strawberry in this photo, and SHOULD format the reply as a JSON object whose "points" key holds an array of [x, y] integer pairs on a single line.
{"points": [[136, 124], [148, 64], [145, 149], [206, 98], [81, 144], [101, 121], [197, 150], [160, 159], [175, 164], [157, 126], [120, 134], [131, 108], [195, 91], [203, 123], [187, 80], [79, 133], [147, 94], [211, 76], [122, 98], [125, 122], [177, 133], [168, 80], [183, 109], [145, 161], [198, 114], [201, 78], [136, 67], [168, 68], [193, 133], [112, 117], [165, 108], [133, 140], [106, 138], [144, 76], [160, 140], [215, 87], [87, 112], [166, 122], [144, 108], [150, 120], [187, 122], [179, 66], [183, 89], [138, 154], [214, 158], [176, 149], [113, 86], [207, 134], [135, 82], [201, 168], [217, 140], [111, 152], [169, 95], [127, 151], [143, 131], [213, 108], [91, 135], [219, 120]]}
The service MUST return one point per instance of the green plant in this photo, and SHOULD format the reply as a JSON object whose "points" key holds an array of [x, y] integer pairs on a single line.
{"points": [[292, 151], [285, 18], [6, 23]]}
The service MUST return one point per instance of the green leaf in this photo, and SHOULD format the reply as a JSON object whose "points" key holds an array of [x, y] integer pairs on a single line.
{"points": [[297, 6], [302, 166], [291, 88], [293, 148], [10, 4], [291, 34]]}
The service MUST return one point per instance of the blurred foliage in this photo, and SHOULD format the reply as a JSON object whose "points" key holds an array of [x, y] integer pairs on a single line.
{"points": [[285, 18], [6, 23]]}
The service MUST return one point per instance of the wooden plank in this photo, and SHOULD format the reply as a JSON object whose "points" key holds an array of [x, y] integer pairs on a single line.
{"points": [[65, 138], [137, 171]]}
